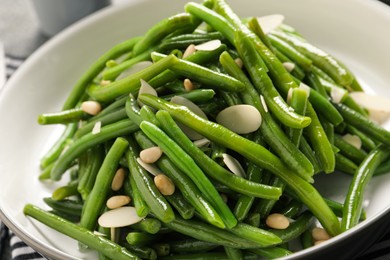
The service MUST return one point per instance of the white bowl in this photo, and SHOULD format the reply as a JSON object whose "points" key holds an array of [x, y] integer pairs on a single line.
{"points": [[355, 31]]}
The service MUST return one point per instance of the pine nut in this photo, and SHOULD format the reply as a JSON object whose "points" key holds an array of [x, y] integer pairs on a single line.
{"points": [[118, 179], [320, 234], [117, 201], [91, 107], [150, 155], [105, 82], [319, 242], [277, 221], [239, 62], [188, 85], [189, 51], [164, 184]]}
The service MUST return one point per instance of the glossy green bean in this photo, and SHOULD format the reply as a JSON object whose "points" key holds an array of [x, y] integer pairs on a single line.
{"points": [[183, 183], [161, 29], [210, 167], [136, 238], [130, 84], [65, 191], [348, 150], [257, 235], [292, 208], [131, 189], [97, 198], [196, 95], [367, 143], [66, 206], [148, 225], [89, 140], [55, 151], [202, 74], [142, 252], [271, 131], [185, 209], [298, 103], [85, 236], [184, 40], [252, 151], [190, 245], [158, 205], [186, 164], [344, 164], [272, 252], [354, 199], [233, 253], [63, 117]]}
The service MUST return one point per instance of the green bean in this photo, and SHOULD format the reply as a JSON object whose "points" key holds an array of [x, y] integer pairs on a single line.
{"points": [[85, 236], [131, 189], [115, 105], [264, 85], [323, 60], [264, 206], [354, 200], [185, 163], [262, 237], [71, 207], [196, 95], [272, 252], [350, 151], [210, 167], [383, 168], [191, 246], [255, 27], [297, 72], [233, 253], [184, 40], [45, 174], [112, 73], [177, 200], [298, 103], [202, 74], [104, 120], [183, 183], [292, 208], [253, 219], [307, 239], [139, 238], [320, 142], [64, 192], [199, 57], [162, 29], [148, 225], [80, 86], [56, 150], [367, 143], [253, 152], [344, 164], [314, 82], [63, 117], [66, 216], [290, 52], [87, 179], [149, 192], [130, 84], [89, 140], [97, 198], [201, 231], [245, 202], [309, 153], [296, 228], [142, 252], [272, 132]]}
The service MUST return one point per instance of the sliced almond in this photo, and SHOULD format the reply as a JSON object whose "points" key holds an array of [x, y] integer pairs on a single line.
{"points": [[96, 127], [149, 167], [150, 155], [353, 140], [202, 142], [119, 217], [338, 94], [305, 87], [269, 23], [146, 89], [208, 46], [289, 66], [134, 69], [263, 103], [189, 51], [289, 95], [241, 119], [233, 165], [377, 106]]}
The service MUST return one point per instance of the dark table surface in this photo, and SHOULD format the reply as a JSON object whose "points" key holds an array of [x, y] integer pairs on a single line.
{"points": [[21, 35]]}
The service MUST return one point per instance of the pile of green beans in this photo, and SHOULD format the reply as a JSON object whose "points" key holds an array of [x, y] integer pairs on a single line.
{"points": [[211, 213]]}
